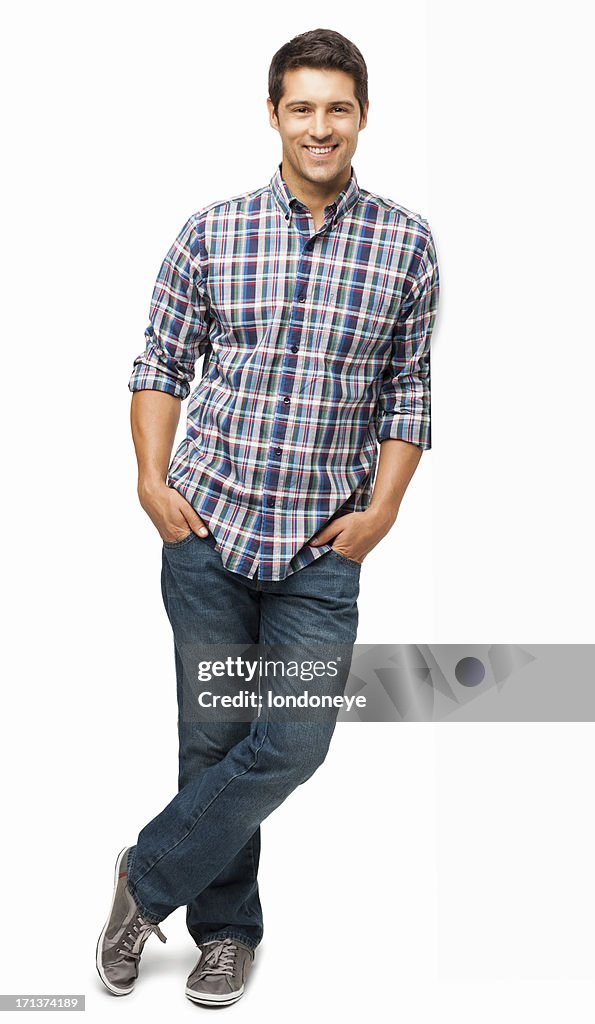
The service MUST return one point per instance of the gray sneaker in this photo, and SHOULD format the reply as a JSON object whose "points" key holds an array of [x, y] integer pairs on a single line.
{"points": [[124, 934], [220, 974]]}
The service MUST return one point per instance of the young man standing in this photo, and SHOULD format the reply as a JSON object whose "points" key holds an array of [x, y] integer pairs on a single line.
{"points": [[313, 302]]}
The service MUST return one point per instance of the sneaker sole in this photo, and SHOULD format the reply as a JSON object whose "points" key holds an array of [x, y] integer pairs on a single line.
{"points": [[112, 988], [214, 1000]]}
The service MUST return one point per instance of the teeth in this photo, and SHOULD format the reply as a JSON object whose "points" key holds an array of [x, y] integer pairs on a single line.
{"points": [[315, 149]]}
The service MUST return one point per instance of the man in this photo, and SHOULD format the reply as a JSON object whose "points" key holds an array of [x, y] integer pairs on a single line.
{"points": [[312, 302]]}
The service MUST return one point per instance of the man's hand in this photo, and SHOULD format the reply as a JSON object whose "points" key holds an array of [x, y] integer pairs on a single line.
{"points": [[169, 511], [355, 534]]}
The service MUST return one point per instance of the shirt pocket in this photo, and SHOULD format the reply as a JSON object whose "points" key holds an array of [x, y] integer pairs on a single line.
{"points": [[357, 313], [353, 341]]}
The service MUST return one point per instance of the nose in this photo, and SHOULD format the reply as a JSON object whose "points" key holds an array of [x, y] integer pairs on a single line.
{"points": [[320, 126]]}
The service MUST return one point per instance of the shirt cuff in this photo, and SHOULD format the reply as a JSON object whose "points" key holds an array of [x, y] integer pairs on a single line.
{"points": [[147, 378], [401, 428]]}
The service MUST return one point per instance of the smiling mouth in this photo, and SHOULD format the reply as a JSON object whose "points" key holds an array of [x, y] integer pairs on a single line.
{"points": [[320, 151]]}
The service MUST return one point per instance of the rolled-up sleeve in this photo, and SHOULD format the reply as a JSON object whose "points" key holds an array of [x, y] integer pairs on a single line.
{"points": [[403, 410], [178, 330]]}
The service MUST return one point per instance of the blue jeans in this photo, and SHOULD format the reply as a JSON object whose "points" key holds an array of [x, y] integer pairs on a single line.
{"points": [[202, 850]]}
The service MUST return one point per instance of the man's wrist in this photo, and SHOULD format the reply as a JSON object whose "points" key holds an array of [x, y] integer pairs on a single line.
{"points": [[150, 484], [382, 516]]}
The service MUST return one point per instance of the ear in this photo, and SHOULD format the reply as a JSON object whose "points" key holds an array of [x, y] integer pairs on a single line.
{"points": [[273, 121], [364, 118]]}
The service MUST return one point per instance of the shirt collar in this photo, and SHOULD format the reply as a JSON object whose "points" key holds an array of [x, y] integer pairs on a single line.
{"points": [[286, 200]]}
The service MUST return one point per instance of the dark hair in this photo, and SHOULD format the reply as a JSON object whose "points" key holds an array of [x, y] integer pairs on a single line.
{"points": [[320, 48]]}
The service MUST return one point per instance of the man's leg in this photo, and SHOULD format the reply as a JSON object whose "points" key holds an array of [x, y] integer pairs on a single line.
{"points": [[205, 603], [312, 614]]}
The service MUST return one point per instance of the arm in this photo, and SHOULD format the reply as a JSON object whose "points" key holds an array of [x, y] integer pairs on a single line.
{"points": [[396, 465], [175, 338], [403, 410], [154, 417]]}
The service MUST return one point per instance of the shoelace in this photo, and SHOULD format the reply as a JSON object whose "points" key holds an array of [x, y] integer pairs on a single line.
{"points": [[139, 929], [221, 959]]}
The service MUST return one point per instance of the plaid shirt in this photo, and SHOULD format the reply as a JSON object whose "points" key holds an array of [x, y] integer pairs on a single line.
{"points": [[316, 347]]}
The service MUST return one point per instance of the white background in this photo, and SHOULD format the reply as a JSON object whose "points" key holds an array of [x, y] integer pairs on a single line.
{"points": [[425, 872]]}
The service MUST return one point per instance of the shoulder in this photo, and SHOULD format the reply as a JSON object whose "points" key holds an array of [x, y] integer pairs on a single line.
{"points": [[405, 232], [245, 202], [395, 216], [214, 220]]}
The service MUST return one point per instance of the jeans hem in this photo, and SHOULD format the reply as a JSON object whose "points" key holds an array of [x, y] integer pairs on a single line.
{"points": [[132, 890], [225, 934]]}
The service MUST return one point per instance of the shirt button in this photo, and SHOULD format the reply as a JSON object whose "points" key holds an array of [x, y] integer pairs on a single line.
{"points": [[278, 451], [286, 400], [271, 502], [295, 348], [302, 297]]}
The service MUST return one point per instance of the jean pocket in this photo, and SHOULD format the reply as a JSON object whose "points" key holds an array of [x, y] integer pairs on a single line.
{"points": [[179, 543], [344, 558]]}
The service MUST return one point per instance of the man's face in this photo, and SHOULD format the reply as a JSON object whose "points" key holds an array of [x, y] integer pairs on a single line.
{"points": [[319, 123]]}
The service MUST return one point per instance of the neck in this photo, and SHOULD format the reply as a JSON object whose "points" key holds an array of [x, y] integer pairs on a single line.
{"points": [[314, 196]]}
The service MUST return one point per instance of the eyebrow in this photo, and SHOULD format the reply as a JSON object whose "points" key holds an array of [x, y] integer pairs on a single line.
{"points": [[307, 103]]}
